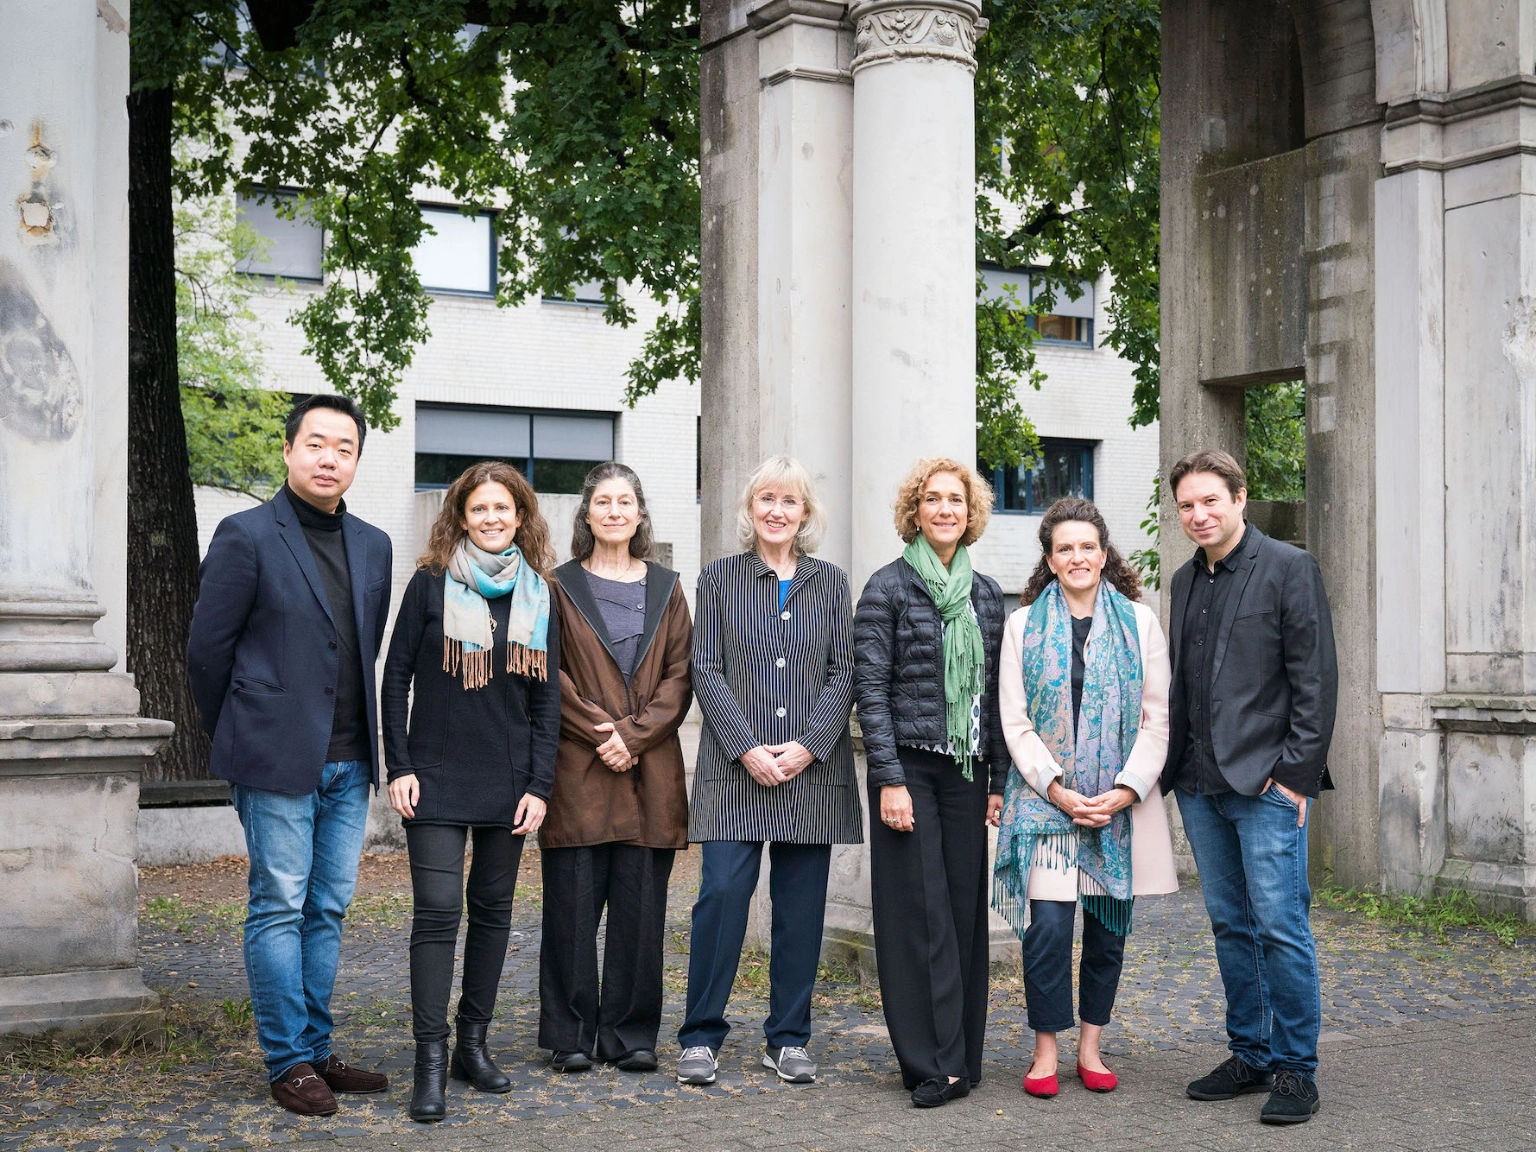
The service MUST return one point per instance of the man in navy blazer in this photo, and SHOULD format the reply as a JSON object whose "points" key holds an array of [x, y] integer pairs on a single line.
{"points": [[290, 615]]}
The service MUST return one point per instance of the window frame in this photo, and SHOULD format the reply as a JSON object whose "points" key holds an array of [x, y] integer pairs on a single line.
{"points": [[282, 192], [1086, 447], [530, 472], [494, 246]]}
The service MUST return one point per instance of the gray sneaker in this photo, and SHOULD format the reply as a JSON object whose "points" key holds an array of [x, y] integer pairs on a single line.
{"points": [[697, 1065], [792, 1064]]}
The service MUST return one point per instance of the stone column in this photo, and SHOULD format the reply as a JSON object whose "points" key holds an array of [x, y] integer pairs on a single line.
{"points": [[914, 253], [72, 746]]}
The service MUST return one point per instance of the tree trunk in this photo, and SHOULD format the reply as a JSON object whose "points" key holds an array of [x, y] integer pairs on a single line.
{"points": [[162, 517]]}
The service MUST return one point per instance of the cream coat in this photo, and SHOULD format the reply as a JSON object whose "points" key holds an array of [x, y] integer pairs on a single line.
{"points": [[1152, 871]]}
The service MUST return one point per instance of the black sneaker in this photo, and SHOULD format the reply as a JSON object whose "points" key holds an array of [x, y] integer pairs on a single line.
{"points": [[1229, 1081], [1294, 1100]]}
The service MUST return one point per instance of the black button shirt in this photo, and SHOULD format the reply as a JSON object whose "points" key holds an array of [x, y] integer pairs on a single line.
{"points": [[1208, 594]]}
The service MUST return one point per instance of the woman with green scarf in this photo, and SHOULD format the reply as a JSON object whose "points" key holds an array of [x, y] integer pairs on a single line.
{"points": [[1084, 701], [471, 707], [926, 639]]}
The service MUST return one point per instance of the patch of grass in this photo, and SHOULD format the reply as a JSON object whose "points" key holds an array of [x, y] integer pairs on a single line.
{"points": [[1430, 915], [386, 909], [168, 912], [195, 1032]]}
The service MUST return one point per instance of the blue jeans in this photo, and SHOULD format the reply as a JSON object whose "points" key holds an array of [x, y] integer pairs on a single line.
{"points": [[304, 853], [1253, 869], [798, 887]]}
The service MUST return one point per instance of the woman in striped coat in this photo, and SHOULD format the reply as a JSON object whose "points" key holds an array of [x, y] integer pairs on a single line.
{"points": [[773, 673]]}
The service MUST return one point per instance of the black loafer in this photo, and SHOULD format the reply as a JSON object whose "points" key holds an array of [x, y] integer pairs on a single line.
{"points": [[640, 1060], [1294, 1100], [1230, 1080], [571, 1062], [940, 1090]]}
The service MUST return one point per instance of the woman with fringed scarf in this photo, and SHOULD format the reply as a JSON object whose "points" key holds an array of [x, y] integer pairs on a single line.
{"points": [[926, 639], [476, 639], [1084, 698]]}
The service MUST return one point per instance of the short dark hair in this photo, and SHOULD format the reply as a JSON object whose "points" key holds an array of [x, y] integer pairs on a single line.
{"points": [[583, 543], [1212, 460], [329, 400]]}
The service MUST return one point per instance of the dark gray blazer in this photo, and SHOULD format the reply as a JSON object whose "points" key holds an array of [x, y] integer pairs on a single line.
{"points": [[763, 675], [1275, 682], [262, 652]]}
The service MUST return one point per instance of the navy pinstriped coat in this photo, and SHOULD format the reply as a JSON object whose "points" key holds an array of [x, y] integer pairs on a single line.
{"points": [[765, 676]]}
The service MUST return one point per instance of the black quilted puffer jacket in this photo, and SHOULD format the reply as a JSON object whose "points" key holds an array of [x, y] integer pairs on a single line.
{"points": [[898, 648]]}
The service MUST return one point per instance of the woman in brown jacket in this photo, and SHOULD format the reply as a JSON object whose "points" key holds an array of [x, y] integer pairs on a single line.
{"points": [[619, 809]]}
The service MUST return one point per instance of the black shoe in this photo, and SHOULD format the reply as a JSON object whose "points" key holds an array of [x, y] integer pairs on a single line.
{"points": [[1229, 1081], [1294, 1100], [473, 1063], [571, 1062], [640, 1060], [427, 1104], [940, 1090]]}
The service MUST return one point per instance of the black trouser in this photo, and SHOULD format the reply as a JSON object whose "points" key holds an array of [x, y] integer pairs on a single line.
{"points": [[437, 884], [929, 893], [1048, 967], [625, 1015]]}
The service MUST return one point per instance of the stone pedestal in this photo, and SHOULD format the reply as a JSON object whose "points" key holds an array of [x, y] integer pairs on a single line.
{"points": [[839, 280], [72, 746]]}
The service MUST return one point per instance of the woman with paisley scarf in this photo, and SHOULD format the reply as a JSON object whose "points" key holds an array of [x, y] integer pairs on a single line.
{"points": [[1084, 700], [926, 639], [476, 640]]}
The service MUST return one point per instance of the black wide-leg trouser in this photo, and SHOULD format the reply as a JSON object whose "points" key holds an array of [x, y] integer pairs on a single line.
{"points": [[623, 1014], [437, 886], [929, 890]]}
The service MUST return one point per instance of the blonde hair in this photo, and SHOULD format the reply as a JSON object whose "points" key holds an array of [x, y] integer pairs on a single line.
{"points": [[978, 498], [782, 472]]}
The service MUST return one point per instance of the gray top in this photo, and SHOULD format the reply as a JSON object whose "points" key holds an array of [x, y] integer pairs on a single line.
{"points": [[622, 604]]}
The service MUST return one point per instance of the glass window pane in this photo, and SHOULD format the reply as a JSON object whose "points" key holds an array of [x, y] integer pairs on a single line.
{"points": [[440, 469], [551, 476], [488, 432], [1064, 305], [999, 280], [573, 437], [1054, 326], [291, 248], [456, 257]]}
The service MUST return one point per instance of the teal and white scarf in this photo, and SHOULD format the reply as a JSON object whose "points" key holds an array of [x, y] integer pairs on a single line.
{"points": [[475, 577], [1090, 759]]}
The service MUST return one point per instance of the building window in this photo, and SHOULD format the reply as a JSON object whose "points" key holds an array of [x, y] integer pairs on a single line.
{"points": [[585, 295], [1065, 468], [291, 246], [554, 450], [1069, 321], [458, 254]]}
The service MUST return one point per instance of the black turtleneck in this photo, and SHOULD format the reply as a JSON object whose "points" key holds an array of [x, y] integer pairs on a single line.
{"points": [[327, 543]]}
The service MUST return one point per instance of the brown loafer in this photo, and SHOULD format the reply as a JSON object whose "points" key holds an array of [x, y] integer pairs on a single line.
{"points": [[301, 1090], [342, 1077]]}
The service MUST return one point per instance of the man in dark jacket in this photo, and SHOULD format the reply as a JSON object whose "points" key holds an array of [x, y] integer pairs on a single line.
{"points": [[285, 635], [1255, 683]]}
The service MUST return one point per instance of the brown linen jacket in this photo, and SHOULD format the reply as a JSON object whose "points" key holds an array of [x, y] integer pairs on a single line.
{"points": [[591, 803]]}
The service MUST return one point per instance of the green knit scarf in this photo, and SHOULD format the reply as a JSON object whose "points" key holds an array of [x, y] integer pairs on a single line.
{"points": [[964, 653]]}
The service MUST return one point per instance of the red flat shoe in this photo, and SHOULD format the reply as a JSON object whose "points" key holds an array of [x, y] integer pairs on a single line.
{"points": [[1097, 1081], [1042, 1086]]}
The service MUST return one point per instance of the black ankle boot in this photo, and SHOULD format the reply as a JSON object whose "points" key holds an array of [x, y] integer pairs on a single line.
{"points": [[427, 1104], [473, 1063]]}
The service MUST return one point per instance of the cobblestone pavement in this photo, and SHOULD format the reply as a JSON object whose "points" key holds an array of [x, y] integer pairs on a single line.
{"points": [[1426, 1042]]}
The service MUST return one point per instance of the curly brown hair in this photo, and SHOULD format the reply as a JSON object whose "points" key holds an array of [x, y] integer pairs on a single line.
{"points": [[978, 498], [1070, 509], [532, 535]]}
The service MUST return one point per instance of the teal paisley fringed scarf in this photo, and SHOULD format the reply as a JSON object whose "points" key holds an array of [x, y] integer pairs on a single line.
{"points": [[965, 655], [475, 577], [1090, 760]]}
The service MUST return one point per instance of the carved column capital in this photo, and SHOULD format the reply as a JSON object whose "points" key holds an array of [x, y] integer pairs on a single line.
{"points": [[891, 30]]}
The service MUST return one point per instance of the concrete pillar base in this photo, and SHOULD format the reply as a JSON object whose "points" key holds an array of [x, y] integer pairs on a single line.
{"points": [[109, 1002]]}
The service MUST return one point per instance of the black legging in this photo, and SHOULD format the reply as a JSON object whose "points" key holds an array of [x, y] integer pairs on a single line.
{"points": [[437, 884]]}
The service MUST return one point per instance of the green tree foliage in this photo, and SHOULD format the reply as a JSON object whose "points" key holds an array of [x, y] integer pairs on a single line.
{"points": [[576, 121], [1067, 131], [234, 426], [1276, 419]]}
